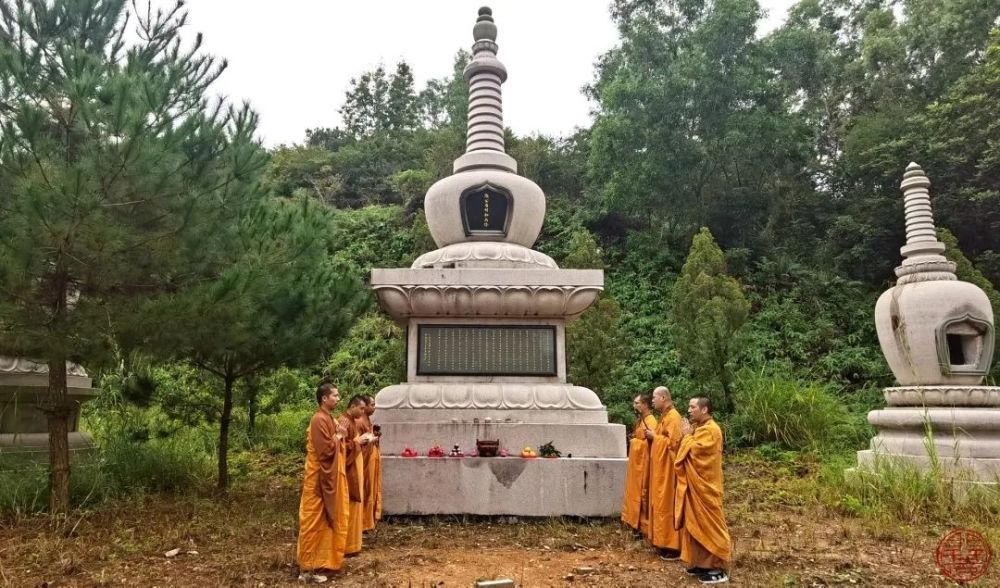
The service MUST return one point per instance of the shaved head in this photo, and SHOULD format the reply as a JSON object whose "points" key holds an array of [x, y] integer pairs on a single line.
{"points": [[662, 391]]}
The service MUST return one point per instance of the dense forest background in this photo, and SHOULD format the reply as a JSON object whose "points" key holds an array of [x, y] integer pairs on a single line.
{"points": [[788, 148]]}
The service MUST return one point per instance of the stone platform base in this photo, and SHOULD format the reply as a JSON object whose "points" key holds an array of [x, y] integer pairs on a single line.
{"points": [[961, 424], [537, 487], [967, 469], [37, 444]]}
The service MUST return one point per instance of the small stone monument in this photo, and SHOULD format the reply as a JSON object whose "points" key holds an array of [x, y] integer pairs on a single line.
{"points": [[936, 333], [485, 319], [23, 386]]}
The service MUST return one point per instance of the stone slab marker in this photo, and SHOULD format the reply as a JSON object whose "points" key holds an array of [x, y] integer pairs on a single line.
{"points": [[936, 333], [485, 319]]}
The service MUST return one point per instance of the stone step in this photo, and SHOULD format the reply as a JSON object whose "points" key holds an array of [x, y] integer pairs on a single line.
{"points": [[946, 445], [970, 469]]}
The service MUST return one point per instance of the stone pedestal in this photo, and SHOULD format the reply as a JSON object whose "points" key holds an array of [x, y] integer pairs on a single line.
{"points": [[956, 426], [23, 425], [539, 487], [519, 411]]}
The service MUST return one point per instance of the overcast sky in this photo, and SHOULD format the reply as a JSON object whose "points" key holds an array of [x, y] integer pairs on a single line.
{"points": [[293, 59]]}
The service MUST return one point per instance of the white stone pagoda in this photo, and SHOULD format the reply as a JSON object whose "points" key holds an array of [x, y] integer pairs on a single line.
{"points": [[936, 333], [485, 319]]}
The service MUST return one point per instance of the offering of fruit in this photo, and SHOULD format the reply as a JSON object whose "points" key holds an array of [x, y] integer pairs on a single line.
{"points": [[456, 452], [549, 450], [528, 452], [504, 453], [409, 452], [436, 451]]}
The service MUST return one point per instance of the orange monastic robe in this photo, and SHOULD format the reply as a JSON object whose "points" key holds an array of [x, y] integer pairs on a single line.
{"points": [[635, 511], [662, 480], [372, 509], [355, 469], [323, 508], [698, 501]]}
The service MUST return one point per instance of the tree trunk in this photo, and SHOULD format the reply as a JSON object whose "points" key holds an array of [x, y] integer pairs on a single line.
{"points": [[227, 413], [57, 411], [252, 407]]}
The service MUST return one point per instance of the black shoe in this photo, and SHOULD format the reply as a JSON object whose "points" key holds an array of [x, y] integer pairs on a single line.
{"points": [[696, 571], [669, 554], [714, 577]]}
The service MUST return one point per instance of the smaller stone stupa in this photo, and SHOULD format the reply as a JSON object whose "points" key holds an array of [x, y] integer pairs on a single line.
{"points": [[24, 385], [936, 333]]}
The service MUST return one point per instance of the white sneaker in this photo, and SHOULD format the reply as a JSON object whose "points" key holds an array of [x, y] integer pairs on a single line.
{"points": [[714, 577], [306, 577]]}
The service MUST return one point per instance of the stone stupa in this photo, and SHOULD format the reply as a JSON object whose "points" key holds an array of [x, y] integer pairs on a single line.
{"points": [[24, 385], [485, 319], [936, 333]]}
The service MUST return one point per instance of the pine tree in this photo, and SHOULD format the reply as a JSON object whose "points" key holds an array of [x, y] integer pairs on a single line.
{"points": [[277, 299], [708, 309], [115, 167]]}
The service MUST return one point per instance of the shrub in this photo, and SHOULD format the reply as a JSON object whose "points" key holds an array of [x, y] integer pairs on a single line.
{"points": [[792, 414]]}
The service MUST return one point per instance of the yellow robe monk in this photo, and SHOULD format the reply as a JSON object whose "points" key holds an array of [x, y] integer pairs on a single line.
{"points": [[372, 507], [705, 542], [635, 511], [355, 470], [662, 481], [323, 508]]}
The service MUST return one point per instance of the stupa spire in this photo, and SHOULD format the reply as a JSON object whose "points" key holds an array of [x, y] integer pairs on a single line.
{"points": [[922, 254], [485, 74]]}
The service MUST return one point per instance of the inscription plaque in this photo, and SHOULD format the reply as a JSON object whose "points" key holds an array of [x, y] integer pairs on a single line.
{"points": [[494, 350], [486, 211]]}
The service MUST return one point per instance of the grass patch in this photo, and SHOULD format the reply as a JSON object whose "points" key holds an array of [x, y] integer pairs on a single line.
{"points": [[791, 414]]}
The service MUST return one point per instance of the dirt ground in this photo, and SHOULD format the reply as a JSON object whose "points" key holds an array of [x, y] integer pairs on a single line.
{"points": [[781, 538]]}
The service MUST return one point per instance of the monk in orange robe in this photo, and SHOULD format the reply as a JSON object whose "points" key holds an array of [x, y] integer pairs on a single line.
{"points": [[373, 469], [323, 510], [635, 506], [355, 441], [705, 544], [666, 440]]}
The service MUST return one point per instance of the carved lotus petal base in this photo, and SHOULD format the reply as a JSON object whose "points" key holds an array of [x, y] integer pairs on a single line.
{"points": [[504, 396]]}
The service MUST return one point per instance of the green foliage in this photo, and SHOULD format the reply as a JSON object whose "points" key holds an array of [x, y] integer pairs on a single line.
{"points": [[304, 171], [889, 490], [119, 467], [378, 102], [708, 310], [596, 346], [374, 236], [549, 450], [812, 323], [117, 169], [371, 357], [278, 301], [797, 415], [688, 131]]}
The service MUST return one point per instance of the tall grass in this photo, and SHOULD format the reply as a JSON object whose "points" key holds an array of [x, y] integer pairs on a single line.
{"points": [[793, 414], [118, 467]]}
